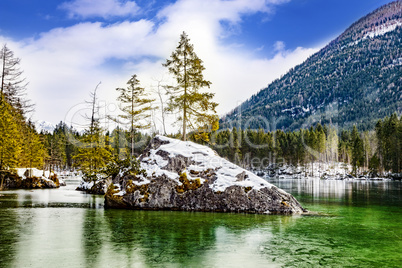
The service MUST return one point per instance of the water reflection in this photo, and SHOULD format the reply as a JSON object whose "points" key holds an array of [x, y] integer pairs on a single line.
{"points": [[42, 198], [184, 239], [347, 192], [93, 234], [8, 237]]}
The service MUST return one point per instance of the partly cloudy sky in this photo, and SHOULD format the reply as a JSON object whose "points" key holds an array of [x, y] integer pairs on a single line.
{"points": [[68, 46]]}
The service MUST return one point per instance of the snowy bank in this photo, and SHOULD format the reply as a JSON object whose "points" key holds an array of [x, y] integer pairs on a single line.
{"points": [[30, 178], [188, 176], [317, 170]]}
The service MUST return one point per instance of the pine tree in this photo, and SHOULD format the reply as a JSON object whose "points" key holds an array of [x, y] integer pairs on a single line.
{"points": [[198, 109], [321, 141], [311, 142], [119, 143], [10, 138], [33, 150], [56, 145], [357, 150], [235, 144], [135, 106], [94, 154]]}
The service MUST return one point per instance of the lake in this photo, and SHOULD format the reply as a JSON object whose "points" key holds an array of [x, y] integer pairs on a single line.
{"points": [[355, 223]]}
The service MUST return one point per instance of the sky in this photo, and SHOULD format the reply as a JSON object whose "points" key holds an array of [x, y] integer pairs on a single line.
{"points": [[67, 47]]}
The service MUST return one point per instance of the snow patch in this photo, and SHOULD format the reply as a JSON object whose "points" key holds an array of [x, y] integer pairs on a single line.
{"points": [[382, 29], [86, 185], [377, 31], [34, 173]]}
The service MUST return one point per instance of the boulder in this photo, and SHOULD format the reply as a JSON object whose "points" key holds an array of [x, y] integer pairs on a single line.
{"points": [[191, 177], [98, 187]]}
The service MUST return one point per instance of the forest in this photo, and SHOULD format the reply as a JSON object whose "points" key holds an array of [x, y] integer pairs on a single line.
{"points": [[373, 153]]}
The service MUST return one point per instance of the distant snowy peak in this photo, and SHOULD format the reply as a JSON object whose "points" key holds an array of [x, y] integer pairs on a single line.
{"points": [[44, 126]]}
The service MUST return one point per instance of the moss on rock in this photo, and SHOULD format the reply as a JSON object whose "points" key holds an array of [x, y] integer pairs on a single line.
{"points": [[186, 184]]}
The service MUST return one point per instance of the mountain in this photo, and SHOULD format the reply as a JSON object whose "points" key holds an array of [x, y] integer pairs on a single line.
{"points": [[44, 126], [355, 79]]}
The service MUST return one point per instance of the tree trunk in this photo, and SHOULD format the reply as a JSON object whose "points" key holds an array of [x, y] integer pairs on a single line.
{"points": [[184, 122], [2, 77], [132, 121], [184, 102]]}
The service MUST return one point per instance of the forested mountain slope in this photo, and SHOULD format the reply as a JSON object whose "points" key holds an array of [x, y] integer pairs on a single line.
{"points": [[355, 79]]}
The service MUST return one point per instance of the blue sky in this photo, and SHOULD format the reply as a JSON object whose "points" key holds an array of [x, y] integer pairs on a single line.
{"points": [[68, 46]]}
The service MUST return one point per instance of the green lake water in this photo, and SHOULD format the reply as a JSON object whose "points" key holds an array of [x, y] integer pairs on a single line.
{"points": [[354, 224]]}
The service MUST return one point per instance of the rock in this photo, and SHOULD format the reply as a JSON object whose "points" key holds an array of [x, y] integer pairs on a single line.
{"points": [[98, 187], [62, 182], [396, 176], [191, 177], [241, 176], [28, 183]]}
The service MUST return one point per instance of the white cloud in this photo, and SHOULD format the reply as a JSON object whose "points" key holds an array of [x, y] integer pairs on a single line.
{"points": [[279, 46], [100, 8], [65, 64]]}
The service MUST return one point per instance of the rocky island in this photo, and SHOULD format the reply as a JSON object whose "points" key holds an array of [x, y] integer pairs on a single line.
{"points": [[191, 177]]}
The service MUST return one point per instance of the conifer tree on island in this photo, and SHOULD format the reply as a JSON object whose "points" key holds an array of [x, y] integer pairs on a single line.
{"points": [[134, 105], [198, 109]]}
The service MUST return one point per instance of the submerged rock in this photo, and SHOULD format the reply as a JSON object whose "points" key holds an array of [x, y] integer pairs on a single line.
{"points": [[191, 177]]}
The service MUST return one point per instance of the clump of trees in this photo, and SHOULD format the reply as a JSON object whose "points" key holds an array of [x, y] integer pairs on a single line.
{"points": [[375, 152]]}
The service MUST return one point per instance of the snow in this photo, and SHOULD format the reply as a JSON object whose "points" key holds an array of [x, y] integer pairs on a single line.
{"points": [[86, 185], [205, 159], [45, 126], [34, 171], [382, 29], [121, 193], [378, 31], [306, 110]]}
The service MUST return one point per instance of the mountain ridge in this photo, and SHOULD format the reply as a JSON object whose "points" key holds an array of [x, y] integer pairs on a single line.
{"points": [[355, 79]]}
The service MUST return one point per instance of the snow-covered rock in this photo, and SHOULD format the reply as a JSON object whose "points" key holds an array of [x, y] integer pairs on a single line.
{"points": [[31, 178], [94, 187], [188, 176]]}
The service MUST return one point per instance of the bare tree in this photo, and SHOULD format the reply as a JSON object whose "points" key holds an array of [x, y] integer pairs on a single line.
{"points": [[161, 90], [13, 84], [94, 107]]}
